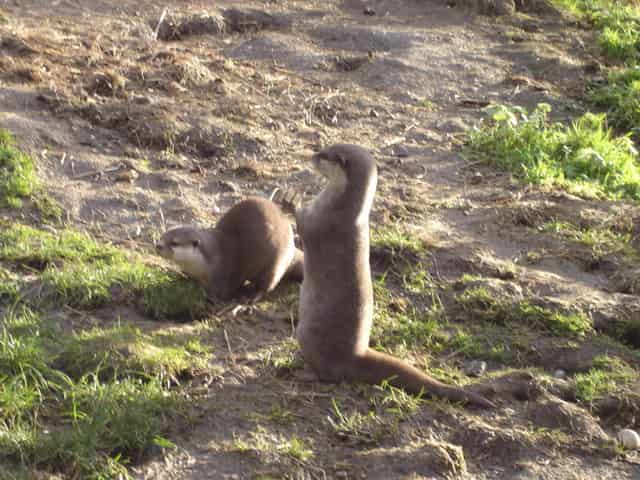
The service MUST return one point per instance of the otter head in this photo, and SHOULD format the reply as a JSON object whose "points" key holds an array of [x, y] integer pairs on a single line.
{"points": [[343, 164], [349, 169], [183, 246]]}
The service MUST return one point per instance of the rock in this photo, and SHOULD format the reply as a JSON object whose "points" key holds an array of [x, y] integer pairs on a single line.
{"points": [[629, 439], [476, 368], [453, 125], [369, 11], [560, 374], [476, 178], [400, 151]]}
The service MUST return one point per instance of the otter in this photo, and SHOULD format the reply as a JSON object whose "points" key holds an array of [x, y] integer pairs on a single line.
{"points": [[336, 298], [253, 241]]}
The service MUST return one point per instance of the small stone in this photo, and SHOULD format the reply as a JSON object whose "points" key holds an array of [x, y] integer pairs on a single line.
{"points": [[400, 151], [453, 125], [373, 113], [369, 11], [229, 186], [126, 176], [476, 368], [476, 178], [560, 374], [629, 439], [341, 474]]}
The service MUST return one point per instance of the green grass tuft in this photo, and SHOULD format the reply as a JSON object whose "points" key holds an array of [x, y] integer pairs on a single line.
{"points": [[485, 306], [126, 350], [583, 157], [80, 272], [602, 241], [398, 242], [619, 96], [618, 24], [18, 181], [85, 428], [607, 376], [17, 176]]}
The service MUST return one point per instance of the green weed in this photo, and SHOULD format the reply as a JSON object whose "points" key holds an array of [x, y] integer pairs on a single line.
{"points": [[608, 375], [18, 180], [618, 24], [357, 427], [619, 96], [583, 157], [397, 242]]}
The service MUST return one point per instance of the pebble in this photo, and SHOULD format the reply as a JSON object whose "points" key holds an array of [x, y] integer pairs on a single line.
{"points": [[560, 374], [400, 151], [476, 368], [629, 439]]}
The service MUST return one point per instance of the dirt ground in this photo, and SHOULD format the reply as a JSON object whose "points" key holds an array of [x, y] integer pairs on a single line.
{"points": [[136, 127]]}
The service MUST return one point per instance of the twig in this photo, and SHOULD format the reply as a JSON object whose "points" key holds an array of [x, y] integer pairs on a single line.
{"points": [[91, 173], [394, 141], [226, 339], [157, 32], [294, 74]]}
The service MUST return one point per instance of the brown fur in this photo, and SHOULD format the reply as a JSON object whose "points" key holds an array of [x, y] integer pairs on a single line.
{"points": [[336, 300], [253, 241]]}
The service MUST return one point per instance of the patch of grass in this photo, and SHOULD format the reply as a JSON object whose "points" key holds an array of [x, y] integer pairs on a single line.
{"points": [[485, 306], [78, 271], [584, 157], [395, 401], [619, 96], [489, 342], [9, 286], [359, 428], [398, 323], [278, 414], [618, 24], [396, 241], [283, 356], [18, 181], [85, 428], [607, 376], [110, 424], [602, 241], [297, 449], [126, 350]]}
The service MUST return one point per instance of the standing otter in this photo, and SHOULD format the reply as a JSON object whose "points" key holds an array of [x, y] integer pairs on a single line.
{"points": [[253, 241], [336, 298]]}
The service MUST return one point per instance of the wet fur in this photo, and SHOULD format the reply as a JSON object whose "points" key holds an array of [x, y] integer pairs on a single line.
{"points": [[336, 298]]}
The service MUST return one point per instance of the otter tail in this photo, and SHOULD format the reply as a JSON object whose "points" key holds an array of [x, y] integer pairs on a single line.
{"points": [[374, 367], [295, 272]]}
